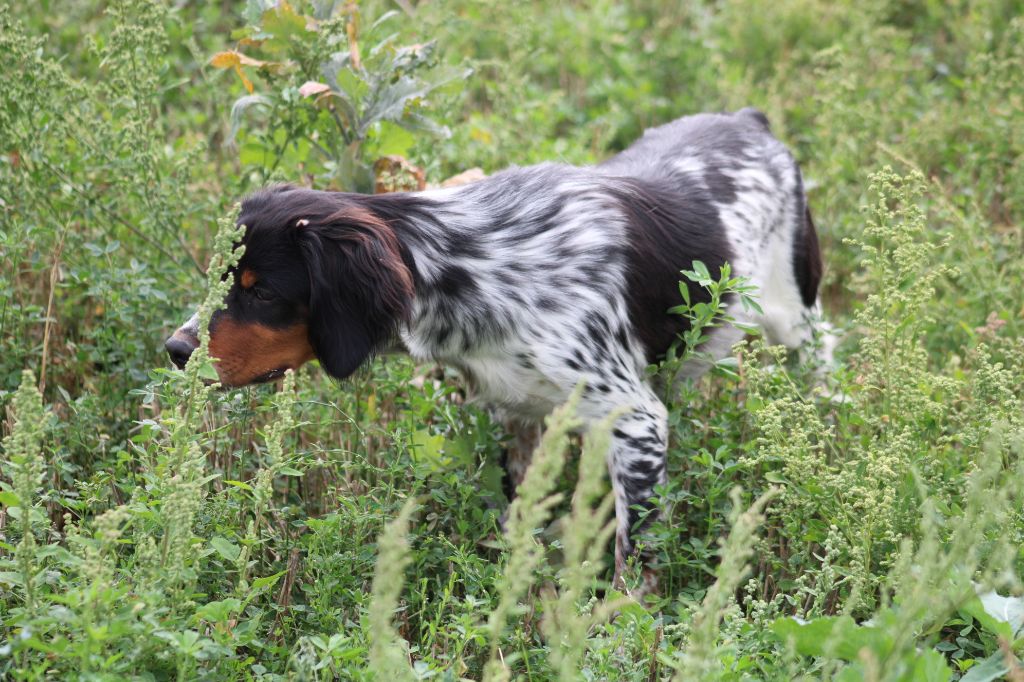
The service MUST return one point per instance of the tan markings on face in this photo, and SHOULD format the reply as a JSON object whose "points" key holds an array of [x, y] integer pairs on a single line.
{"points": [[247, 279], [246, 352]]}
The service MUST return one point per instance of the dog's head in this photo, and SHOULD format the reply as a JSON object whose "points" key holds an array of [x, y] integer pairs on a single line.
{"points": [[321, 276]]}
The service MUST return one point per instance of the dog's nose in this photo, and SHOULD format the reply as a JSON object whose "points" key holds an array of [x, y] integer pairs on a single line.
{"points": [[180, 351]]}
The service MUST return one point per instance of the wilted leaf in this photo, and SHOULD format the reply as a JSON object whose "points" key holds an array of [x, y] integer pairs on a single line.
{"points": [[232, 58], [236, 60], [239, 108], [310, 88], [245, 81]]}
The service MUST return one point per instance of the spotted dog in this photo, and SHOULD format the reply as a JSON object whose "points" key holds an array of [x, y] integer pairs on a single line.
{"points": [[532, 280]]}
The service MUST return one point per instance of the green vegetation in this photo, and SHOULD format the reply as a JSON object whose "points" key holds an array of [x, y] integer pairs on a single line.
{"points": [[152, 528]]}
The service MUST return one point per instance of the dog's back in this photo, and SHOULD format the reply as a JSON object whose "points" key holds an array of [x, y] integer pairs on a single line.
{"points": [[734, 163]]}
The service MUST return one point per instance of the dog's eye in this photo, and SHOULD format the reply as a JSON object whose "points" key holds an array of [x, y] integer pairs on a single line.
{"points": [[261, 293]]}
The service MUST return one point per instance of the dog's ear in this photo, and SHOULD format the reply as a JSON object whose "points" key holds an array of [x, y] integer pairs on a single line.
{"points": [[360, 287]]}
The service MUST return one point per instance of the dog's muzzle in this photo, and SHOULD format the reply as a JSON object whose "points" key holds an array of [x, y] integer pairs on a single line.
{"points": [[182, 342]]}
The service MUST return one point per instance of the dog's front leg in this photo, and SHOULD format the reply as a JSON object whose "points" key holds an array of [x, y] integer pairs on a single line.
{"points": [[636, 465]]}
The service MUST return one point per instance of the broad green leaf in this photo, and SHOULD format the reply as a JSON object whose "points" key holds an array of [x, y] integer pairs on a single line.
{"points": [[429, 449], [219, 611], [997, 626], [1008, 610], [930, 666], [491, 478], [391, 139], [239, 484], [11, 578], [991, 668], [851, 673], [225, 548], [839, 636], [283, 22]]}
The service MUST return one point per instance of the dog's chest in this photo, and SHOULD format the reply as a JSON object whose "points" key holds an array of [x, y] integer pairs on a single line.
{"points": [[502, 375], [501, 379]]}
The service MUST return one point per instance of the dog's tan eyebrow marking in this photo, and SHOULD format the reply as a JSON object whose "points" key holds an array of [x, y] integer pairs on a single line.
{"points": [[247, 279]]}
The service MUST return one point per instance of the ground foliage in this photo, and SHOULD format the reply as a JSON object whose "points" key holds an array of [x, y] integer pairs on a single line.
{"points": [[863, 527]]}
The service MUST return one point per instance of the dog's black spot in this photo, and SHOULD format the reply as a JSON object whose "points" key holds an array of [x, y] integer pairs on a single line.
{"points": [[669, 229], [455, 282]]}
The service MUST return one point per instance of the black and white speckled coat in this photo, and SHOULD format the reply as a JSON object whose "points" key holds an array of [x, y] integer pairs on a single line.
{"points": [[532, 280]]}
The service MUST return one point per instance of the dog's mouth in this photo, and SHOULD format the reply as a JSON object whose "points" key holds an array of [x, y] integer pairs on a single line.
{"points": [[270, 376], [266, 377]]}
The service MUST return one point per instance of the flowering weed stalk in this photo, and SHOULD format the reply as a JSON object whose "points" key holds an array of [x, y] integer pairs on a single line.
{"points": [[529, 511], [23, 452]]}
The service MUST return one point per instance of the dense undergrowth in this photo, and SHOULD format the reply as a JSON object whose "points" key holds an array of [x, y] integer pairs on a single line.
{"points": [[860, 528]]}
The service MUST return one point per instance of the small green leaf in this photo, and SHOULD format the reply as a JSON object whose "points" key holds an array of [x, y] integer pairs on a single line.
{"points": [[11, 578], [239, 484], [750, 303], [684, 291], [208, 372], [268, 581]]}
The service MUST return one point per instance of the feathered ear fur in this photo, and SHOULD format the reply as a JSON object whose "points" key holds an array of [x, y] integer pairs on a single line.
{"points": [[360, 288]]}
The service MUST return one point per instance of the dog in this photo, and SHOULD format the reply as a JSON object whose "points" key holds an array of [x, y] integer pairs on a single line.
{"points": [[533, 280]]}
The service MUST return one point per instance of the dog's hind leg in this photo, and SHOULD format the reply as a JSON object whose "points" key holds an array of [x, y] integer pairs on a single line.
{"points": [[517, 455]]}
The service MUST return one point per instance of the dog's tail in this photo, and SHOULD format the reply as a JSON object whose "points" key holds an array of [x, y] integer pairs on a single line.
{"points": [[757, 116], [807, 265]]}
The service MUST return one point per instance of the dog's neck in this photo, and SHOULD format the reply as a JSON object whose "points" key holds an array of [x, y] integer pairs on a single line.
{"points": [[439, 234], [434, 228]]}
